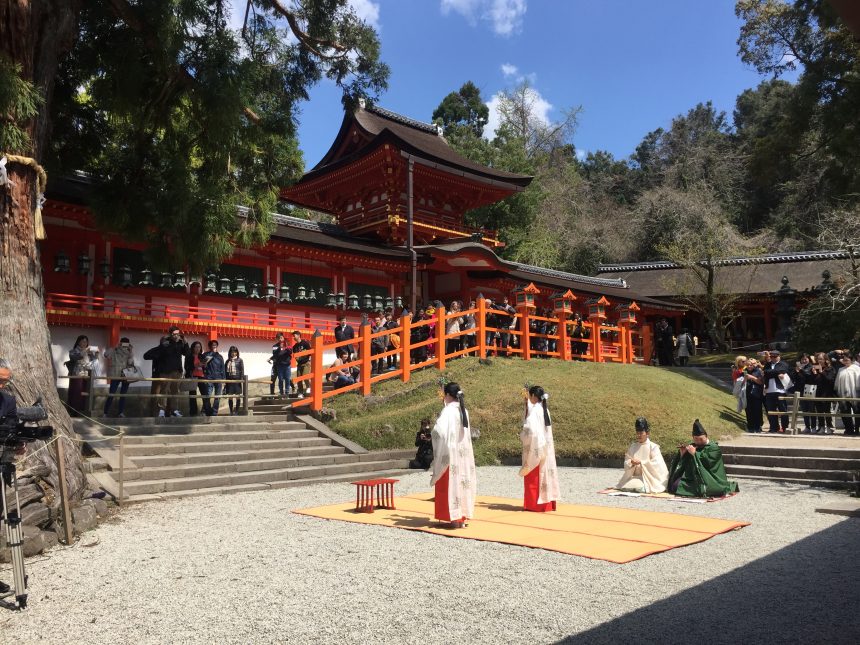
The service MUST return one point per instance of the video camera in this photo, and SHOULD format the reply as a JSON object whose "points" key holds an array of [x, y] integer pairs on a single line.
{"points": [[23, 427]]}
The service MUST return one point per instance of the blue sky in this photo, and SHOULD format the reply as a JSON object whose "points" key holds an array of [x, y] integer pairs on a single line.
{"points": [[632, 65]]}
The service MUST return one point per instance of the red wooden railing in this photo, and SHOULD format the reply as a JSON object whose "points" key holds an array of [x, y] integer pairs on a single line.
{"points": [[605, 343]]}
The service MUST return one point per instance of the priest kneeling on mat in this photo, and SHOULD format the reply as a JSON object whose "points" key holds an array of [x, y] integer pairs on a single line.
{"points": [[454, 474], [698, 470], [644, 468], [539, 472]]}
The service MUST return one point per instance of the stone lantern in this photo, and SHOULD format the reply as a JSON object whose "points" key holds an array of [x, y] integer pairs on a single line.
{"points": [[785, 310], [525, 297], [562, 303], [597, 309]]}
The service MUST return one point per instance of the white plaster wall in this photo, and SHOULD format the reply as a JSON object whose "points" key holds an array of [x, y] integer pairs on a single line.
{"points": [[253, 352]]}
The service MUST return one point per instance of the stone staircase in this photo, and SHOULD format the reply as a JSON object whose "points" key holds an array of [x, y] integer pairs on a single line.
{"points": [[182, 457], [812, 466]]}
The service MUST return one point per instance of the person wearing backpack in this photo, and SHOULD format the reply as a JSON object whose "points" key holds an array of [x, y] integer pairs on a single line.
{"points": [[685, 347]]}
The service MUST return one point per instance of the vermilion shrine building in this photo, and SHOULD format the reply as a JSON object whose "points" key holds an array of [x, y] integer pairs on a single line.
{"points": [[98, 284]]}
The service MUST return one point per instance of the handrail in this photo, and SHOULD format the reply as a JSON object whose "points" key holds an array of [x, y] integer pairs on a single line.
{"points": [[559, 345]]}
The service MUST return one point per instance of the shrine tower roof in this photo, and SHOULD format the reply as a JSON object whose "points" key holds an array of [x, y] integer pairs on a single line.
{"points": [[367, 126]]}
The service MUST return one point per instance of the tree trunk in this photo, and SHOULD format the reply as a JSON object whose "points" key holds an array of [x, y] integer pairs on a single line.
{"points": [[33, 34]]}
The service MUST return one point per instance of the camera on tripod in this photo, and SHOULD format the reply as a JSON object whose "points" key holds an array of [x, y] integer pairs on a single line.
{"points": [[23, 427], [15, 431]]}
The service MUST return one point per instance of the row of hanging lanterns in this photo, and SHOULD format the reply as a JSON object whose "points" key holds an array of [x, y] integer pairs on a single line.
{"points": [[224, 285], [62, 264]]}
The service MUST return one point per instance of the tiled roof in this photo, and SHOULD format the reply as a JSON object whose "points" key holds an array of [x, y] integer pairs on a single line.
{"points": [[774, 258], [552, 273]]}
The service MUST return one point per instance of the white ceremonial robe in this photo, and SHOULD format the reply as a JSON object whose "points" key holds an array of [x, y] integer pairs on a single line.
{"points": [[539, 450], [651, 476], [452, 450]]}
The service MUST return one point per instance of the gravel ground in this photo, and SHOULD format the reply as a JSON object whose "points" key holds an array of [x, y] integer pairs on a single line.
{"points": [[243, 569]]}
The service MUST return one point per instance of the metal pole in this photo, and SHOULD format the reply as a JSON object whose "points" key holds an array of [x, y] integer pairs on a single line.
{"points": [[121, 467], [413, 260]]}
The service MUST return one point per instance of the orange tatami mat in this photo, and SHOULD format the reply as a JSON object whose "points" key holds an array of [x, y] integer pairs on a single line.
{"points": [[605, 533]]}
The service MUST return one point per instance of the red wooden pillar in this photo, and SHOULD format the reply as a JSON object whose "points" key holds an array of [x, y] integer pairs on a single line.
{"points": [[563, 341], [317, 379], [405, 358], [768, 321], [364, 344], [597, 351], [525, 338], [481, 326], [441, 323]]}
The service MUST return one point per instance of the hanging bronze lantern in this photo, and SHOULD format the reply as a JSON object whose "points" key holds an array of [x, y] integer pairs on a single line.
{"points": [[225, 287], [353, 301], [166, 281], [389, 303], [285, 293], [331, 300], [83, 263], [146, 278], [179, 281], [240, 289], [62, 263], [255, 291], [123, 276], [270, 291], [398, 302], [367, 301], [378, 303], [104, 265], [341, 299], [211, 285], [313, 294], [301, 292]]}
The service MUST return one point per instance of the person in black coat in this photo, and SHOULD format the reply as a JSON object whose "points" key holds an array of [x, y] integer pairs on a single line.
{"points": [[167, 362], [664, 343], [343, 332], [424, 443], [824, 378], [213, 368], [774, 369]]}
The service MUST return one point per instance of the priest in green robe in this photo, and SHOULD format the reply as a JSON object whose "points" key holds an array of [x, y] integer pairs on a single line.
{"points": [[698, 470]]}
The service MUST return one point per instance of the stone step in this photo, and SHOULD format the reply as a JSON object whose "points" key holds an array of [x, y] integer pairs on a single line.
{"points": [[789, 473], [818, 483], [153, 461], [223, 446], [802, 462], [240, 466], [217, 435], [359, 469], [142, 422], [349, 493], [788, 451], [258, 424]]}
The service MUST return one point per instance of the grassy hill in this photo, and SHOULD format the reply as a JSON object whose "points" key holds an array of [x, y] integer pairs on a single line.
{"points": [[593, 406]]}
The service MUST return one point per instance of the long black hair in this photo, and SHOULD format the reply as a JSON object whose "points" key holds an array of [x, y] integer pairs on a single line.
{"points": [[538, 392], [232, 349], [453, 390]]}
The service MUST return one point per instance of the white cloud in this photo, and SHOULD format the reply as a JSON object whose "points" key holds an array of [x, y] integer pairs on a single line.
{"points": [[509, 70], [506, 16], [367, 10], [581, 154], [538, 106]]}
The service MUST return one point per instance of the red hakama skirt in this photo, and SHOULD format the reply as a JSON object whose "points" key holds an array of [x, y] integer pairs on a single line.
{"points": [[531, 485], [442, 510]]}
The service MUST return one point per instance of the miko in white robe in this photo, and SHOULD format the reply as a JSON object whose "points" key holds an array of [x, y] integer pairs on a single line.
{"points": [[539, 470], [648, 476], [454, 475]]}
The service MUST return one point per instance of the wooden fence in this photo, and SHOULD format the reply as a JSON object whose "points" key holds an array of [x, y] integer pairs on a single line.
{"points": [[604, 342]]}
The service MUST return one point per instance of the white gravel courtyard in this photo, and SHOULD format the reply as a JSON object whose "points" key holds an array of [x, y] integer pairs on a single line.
{"points": [[244, 569]]}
